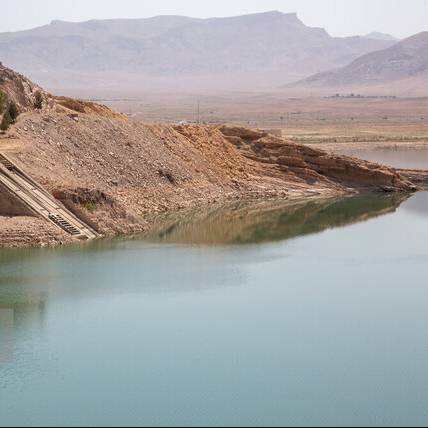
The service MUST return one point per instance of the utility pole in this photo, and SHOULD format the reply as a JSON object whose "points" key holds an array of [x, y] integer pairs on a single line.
{"points": [[199, 112]]}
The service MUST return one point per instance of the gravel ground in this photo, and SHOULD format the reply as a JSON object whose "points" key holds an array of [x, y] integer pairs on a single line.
{"points": [[17, 232]]}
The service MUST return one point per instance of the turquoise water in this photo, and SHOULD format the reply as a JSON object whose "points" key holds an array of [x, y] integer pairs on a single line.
{"points": [[265, 314]]}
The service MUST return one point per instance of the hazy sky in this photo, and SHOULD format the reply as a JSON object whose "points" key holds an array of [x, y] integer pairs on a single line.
{"points": [[340, 17]]}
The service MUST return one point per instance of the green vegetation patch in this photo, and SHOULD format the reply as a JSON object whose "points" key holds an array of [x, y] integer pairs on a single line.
{"points": [[9, 110], [3, 102], [6, 122], [38, 100]]}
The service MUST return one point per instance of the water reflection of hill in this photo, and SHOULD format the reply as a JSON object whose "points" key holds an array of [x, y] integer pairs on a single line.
{"points": [[257, 222], [31, 279]]}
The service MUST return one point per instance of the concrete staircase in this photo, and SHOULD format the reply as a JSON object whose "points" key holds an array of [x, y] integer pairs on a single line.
{"points": [[41, 202]]}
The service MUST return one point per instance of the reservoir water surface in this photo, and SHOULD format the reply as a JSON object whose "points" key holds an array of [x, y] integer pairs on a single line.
{"points": [[253, 314]]}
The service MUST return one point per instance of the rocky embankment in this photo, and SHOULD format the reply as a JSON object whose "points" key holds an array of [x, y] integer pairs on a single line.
{"points": [[315, 166], [113, 172]]}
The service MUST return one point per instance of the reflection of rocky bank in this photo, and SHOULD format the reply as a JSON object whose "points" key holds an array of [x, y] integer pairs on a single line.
{"points": [[247, 223]]}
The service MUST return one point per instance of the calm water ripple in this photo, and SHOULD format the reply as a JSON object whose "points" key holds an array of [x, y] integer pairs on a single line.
{"points": [[252, 314]]}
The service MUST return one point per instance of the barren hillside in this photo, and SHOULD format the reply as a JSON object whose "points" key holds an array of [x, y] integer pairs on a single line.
{"points": [[116, 171], [404, 65]]}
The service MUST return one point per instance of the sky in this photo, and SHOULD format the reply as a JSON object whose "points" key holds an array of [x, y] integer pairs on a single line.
{"points": [[400, 18]]}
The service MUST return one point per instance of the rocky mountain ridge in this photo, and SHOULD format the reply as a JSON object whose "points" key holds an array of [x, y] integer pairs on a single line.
{"points": [[173, 52]]}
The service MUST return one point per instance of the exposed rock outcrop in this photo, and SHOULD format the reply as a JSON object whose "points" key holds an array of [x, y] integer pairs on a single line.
{"points": [[314, 165]]}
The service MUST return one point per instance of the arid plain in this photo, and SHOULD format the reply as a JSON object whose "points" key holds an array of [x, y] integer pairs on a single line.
{"points": [[330, 119]]}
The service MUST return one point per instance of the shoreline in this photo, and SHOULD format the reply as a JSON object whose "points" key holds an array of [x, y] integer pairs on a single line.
{"points": [[19, 232], [50, 237], [367, 145]]}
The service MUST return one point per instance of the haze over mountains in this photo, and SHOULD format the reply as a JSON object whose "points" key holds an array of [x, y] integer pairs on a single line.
{"points": [[260, 51], [400, 69], [381, 36]]}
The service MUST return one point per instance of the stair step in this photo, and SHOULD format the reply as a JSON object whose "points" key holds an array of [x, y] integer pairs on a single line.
{"points": [[64, 224], [40, 201], [6, 163]]}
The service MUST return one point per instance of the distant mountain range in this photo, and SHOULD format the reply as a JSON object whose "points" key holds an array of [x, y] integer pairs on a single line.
{"points": [[402, 68], [258, 51]]}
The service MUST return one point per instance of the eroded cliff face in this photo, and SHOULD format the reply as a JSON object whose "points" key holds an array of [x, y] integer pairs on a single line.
{"points": [[315, 165]]}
